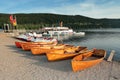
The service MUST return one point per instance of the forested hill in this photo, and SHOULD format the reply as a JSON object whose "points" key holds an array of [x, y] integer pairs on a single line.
{"points": [[74, 21]]}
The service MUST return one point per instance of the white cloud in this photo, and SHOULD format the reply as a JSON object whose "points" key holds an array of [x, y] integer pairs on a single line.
{"points": [[87, 8], [91, 10]]}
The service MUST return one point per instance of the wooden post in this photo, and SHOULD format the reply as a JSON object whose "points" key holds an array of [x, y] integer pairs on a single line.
{"points": [[111, 56]]}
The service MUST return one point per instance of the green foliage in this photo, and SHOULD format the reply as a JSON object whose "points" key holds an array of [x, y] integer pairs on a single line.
{"points": [[39, 20]]}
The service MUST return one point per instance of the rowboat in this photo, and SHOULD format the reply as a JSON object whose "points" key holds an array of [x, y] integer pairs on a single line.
{"points": [[28, 45], [82, 62], [66, 53], [46, 48], [37, 47], [18, 44]]}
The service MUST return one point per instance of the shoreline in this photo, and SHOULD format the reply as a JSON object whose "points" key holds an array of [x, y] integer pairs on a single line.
{"points": [[16, 64]]}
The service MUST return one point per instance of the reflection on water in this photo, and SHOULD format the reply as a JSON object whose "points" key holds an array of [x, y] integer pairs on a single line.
{"points": [[102, 30], [102, 40], [66, 37]]}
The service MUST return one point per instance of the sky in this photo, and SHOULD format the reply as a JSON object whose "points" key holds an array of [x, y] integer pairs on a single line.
{"points": [[88, 8]]}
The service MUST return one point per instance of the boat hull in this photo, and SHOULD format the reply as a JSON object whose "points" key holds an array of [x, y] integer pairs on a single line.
{"points": [[18, 45], [29, 45], [40, 50], [61, 55], [55, 57], [47, 48], [79, 62]]}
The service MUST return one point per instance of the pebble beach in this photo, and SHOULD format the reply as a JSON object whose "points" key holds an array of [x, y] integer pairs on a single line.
{"points": [[16, 64]]}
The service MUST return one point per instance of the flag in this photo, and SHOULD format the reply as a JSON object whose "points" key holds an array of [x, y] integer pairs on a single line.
{"points": [[13, 20]]}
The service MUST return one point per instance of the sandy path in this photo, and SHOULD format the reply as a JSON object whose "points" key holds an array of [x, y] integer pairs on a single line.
{"points": [[16, 64]]}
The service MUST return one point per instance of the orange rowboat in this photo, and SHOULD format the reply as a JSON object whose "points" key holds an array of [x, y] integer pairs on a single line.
{"points": [[83, 61], [28, 45], [18, 44], [37, 47], [54, 55], [46, 48]]}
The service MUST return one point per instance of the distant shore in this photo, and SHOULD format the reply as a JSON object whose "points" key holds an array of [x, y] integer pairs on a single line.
{"points": [[16, 64]]}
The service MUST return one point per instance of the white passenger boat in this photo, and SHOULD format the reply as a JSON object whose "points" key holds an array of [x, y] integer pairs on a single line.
{"points": [[53, 31]]}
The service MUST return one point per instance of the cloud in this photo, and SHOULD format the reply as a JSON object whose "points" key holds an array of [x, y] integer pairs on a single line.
{"points": [[106, 10], [89, 8]]}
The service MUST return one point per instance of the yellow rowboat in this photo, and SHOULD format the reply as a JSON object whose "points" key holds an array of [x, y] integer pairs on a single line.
{"points": [[54, 55], [82, 61]]}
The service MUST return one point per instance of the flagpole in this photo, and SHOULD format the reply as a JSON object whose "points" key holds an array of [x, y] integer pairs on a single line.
{"points": [[16, 22], [11, 21]]}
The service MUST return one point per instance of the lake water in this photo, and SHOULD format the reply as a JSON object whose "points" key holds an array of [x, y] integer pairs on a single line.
{"points": [[108, 39]]}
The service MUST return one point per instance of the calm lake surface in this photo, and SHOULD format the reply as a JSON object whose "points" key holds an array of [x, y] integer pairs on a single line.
{"points": [[108, 39]]}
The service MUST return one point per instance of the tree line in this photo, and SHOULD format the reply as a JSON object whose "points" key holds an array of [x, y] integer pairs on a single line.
{"points": [[39, 20]]}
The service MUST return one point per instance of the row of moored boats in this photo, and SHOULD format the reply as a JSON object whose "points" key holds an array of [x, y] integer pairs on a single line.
{"points": [[82, 58]]}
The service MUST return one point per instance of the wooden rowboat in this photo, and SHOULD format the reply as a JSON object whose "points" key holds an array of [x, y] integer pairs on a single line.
{"points": [[46, 48], [82, 62], [18, 44], [28, 45], [54, 55], [37, 47]]}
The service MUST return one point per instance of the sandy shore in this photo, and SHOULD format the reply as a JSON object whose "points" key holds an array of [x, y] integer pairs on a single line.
{"points": [[16, 64]]}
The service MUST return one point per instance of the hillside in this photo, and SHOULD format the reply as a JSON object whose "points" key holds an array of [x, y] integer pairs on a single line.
{"points": [[38, 20]]}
